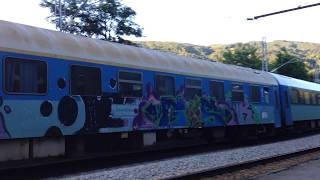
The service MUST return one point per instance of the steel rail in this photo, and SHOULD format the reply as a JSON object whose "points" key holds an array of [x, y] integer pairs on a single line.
{"points": [[210, 172]]}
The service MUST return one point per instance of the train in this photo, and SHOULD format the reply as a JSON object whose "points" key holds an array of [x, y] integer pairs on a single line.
{"points": [[67, 95]]}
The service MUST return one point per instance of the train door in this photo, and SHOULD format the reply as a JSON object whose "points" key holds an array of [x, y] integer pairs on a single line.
{"points": [[286, 117], [86, 82], [277, 109]]}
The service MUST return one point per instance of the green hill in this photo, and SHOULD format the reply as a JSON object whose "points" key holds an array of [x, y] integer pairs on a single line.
{"points": [[214, 52], [183, 49]]}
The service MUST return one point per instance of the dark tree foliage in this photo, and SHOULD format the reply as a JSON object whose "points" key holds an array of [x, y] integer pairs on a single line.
{"points": [[242, 55], [295, 66], [102, 19]]}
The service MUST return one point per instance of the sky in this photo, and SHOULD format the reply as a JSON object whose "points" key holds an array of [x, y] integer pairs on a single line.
{"points": [[201, 22]]}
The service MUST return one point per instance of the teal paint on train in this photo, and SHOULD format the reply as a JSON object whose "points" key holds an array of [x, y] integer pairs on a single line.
{"points": [[305, 112]]}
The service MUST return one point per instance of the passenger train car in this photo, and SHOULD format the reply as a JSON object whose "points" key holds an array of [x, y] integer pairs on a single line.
{"points": [[64, 94], [300, 102]]}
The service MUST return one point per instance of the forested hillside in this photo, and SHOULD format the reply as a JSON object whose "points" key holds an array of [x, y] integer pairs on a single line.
{"points": [[306, 49], [300, 58]]}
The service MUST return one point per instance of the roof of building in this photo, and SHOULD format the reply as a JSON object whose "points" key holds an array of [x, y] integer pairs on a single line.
{"points": [[42, 42], [297, 83]]}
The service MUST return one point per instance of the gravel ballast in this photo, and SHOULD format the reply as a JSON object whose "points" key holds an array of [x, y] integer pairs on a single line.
{"points": [[167, 168]]}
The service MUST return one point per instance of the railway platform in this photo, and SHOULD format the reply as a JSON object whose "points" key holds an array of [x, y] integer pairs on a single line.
{"points": [[307, 171]]}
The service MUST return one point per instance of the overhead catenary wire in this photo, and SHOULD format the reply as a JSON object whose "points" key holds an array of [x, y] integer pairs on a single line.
{"points": [[283, 11]]}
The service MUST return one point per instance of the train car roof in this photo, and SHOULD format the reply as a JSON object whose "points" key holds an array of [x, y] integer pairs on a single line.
{"points": [[20, 38], [297, 83]]}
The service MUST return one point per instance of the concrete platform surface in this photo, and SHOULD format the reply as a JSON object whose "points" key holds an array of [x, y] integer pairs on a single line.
{"points": [[305, 171]]}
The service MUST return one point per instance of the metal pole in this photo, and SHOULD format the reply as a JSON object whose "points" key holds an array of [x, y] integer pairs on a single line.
{"points": [[265, 62], [60, 16], [316, 74]]}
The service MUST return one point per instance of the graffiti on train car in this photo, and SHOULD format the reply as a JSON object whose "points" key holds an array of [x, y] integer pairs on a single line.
{"points": [[159, 112], [113, 114], [170, 111]]}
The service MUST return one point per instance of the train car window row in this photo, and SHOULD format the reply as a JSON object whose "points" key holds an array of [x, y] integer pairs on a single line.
{"points": [[130, 84], [237, 92], [255, 94], [24, 76], [192, 87], [85, 80], [165, 85], [217, 90], [303, 97]]}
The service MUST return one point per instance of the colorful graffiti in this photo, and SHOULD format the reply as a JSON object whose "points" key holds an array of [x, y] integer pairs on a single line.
{"points": [[155, 112], [171, 112], [216, 113], [165, 112], [193, 112], [113, 113]]}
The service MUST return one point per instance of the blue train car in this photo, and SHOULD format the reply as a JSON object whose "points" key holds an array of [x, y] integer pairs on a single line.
{"points": [[55, 84], [300, 101]]}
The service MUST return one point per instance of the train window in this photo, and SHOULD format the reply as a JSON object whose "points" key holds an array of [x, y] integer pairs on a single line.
{"points": [[25, 76], [313, 98], [85, 80], [255, 93], [307, 97], [237, 92], [286, 98], [217, 90], [130, 84], [301, 97], [164, 85], [192, 88], [277, 99], [294, 96], [318, 99], [266, 95], [130, 76]]}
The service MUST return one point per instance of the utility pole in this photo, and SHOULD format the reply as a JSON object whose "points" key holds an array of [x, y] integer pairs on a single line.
{"points": [[58, 12], [265, 61], [60, 16], [316, 74], [264, 50], [316, 71]]}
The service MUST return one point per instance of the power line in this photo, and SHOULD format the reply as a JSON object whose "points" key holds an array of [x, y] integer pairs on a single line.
{"points": [[283, 11]]}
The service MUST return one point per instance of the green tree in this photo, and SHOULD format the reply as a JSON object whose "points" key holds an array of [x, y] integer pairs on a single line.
{"points": [[103, 19], [292, 65], [242, 55]]}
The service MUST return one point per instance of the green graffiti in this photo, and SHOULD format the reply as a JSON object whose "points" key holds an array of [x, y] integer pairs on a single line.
{"points": [[193, 112], [153, 111], [256, 115]]}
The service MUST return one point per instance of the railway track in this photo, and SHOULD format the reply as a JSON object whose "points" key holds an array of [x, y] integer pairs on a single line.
{"points": [[207, 164], [54, 167], [77, 166], [219, 172]]}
